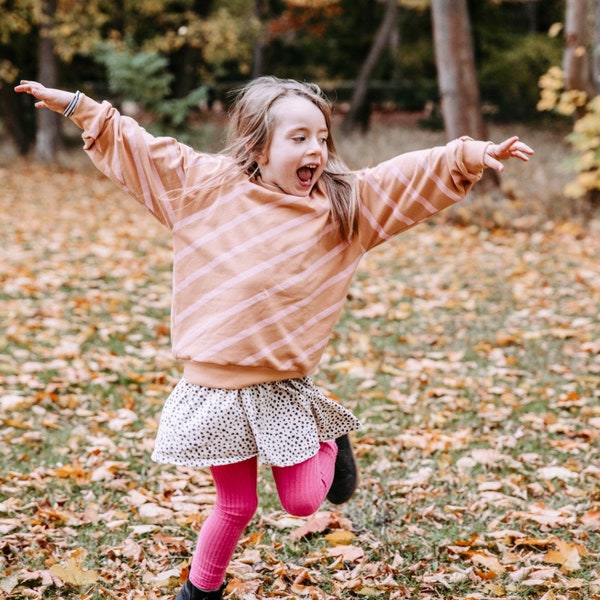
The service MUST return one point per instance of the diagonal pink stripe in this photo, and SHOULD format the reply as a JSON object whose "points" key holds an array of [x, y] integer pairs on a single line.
{"points": [[240, 249], [317, 347], [249, 360], [282, 314], [242, 306], [200, 214], [441, 185]]}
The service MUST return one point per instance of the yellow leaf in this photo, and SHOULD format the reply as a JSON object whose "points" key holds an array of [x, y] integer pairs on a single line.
{"points": [[555, 29], [73, 572], [339, 537], [491, 563], [368, 591], [566, 555]]}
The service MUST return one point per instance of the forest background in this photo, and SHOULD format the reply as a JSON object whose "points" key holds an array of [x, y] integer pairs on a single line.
{"points": [[151, 51], [469, 347]]}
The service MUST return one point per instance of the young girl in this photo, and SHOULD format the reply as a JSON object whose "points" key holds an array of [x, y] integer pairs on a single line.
{"points": [[266, 238]]}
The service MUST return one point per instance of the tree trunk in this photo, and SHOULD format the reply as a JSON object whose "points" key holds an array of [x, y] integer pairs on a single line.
{"points": [[359, 108], [48, 126], [576, 65], [457, 76], [530, 10], [261, 41], [15, 118], [596, 49]]}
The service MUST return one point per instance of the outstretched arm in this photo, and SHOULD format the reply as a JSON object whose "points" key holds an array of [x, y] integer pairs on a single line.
{"points": [[157, 171], [55, 100], [509, 148]]}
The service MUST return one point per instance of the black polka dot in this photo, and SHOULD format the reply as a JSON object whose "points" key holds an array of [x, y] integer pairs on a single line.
{"points": [[280, 422]]}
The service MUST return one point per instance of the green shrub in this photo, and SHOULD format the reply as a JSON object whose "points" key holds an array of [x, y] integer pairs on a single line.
{"points": [[509, 76], [144, 78]]}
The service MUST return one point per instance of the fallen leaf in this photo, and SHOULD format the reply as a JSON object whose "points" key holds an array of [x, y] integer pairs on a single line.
{"points": [[565, 554], [347, 553], [73, 572], [339, 537]]}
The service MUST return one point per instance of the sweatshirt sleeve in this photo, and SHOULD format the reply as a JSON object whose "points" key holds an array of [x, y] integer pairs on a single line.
{"points": [[408, 189], [154, 170]]}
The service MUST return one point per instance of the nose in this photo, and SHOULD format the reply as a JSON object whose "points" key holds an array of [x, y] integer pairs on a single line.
{"points": [[315, 146]]}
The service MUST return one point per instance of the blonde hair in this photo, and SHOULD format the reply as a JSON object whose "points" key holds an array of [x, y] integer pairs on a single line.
{"points": [[251, 125]]}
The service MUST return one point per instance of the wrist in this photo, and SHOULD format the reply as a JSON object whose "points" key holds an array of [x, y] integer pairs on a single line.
{"points": [[72, 106]]}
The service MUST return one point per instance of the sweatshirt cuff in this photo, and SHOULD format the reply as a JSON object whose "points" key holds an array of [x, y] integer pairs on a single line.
{"points": [[473, 155], [91, 117]]}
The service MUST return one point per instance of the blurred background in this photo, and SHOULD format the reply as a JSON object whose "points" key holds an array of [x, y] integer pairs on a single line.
{"points": [[466, 67]]}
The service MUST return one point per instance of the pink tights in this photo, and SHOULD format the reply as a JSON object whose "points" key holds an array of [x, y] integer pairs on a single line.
{"points": [[301, 488]]}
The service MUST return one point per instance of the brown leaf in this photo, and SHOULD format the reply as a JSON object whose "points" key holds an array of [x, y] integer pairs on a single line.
{"points": [[320, 522], [347, 553]]}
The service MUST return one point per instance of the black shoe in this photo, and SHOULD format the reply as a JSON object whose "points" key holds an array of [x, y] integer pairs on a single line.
{"points": [[190, 592], [345, 478]]}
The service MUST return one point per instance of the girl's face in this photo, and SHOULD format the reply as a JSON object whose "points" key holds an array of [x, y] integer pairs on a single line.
{"points": [[298, 153]]}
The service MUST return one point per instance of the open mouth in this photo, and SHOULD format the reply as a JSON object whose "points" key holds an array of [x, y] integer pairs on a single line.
{"points": [[306, 174]]}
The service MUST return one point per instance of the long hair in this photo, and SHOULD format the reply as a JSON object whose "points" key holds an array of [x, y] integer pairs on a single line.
{"points": [[251, 125]]}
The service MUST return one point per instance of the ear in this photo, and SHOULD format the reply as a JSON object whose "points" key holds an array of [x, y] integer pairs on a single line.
{"points": [[262, 159], [259, 159]]}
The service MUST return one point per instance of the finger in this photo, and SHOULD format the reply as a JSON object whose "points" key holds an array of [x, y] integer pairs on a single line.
{"points": [[526, 149], [508, 144], [523, 152], [492, 163]]}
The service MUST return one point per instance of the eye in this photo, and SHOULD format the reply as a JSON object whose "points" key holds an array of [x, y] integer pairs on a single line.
{"points": [[299, 138], [323, 140]]}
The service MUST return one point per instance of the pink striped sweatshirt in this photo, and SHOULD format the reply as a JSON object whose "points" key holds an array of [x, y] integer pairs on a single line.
{"points": [[260, 277]]}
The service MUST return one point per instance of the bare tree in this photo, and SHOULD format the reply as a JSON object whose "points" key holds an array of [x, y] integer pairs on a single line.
{"points": [[48, 124], [596, 49], [260, 43], [457, 76], [576, 60], [359, 101]]}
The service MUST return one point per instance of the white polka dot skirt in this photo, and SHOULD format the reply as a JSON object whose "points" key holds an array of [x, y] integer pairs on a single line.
{"points": [[280, 422]]}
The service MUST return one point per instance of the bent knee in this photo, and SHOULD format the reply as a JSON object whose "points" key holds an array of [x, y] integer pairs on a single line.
{"points": [[300, 507]]}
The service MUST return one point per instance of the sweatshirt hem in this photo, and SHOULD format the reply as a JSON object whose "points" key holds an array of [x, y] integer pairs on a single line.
{"points": [[233, 376]]}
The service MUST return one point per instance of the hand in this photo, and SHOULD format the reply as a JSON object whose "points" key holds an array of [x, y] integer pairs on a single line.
{"points": [[56, 100], [510, 148]]}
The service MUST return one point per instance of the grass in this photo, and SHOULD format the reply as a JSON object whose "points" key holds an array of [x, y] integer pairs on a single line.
{"points": [[470, 353]]}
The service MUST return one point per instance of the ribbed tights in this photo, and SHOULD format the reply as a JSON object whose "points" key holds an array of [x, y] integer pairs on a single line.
{"points": [[301, 488]]}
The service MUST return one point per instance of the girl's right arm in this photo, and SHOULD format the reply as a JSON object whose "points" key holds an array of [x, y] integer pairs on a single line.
{"points": [[154, 170], [56, 100]]}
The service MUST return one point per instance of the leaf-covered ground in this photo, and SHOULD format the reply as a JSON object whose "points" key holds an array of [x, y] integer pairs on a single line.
{"points": [[471, 356]]}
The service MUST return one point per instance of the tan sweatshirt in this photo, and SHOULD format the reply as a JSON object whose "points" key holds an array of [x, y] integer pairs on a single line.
{"points": [[260, 277]]}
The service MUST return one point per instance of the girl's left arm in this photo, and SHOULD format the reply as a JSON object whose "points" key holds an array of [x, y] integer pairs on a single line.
{"points": [[410, 188], [154, 170]]}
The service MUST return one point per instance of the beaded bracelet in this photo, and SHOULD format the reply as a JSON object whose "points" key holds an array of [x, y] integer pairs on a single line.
{"points": [[72, 105]]}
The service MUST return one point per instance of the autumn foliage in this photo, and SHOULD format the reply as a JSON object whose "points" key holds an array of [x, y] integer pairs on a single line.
{"points": [[472, 356]]}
